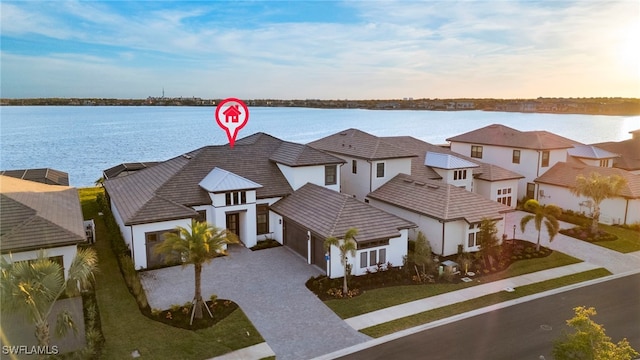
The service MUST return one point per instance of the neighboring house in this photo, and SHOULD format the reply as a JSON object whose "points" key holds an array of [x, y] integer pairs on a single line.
{"points": [[556, 183], [231, 189], [491, 181], [125, 169], [313, 213], [37, 216], [42, 175], [629, 151], [370, 161], [592, 155], [530, 153], [449, 216]]}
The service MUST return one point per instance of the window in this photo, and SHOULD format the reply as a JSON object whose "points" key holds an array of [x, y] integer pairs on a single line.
{"points": [[459, 174], [531, 190], [545, 159], [262, 218], [516, 157], [380, 170], [476, 152], [354, 166], [504, 196], [235, 198], [373, 257], [202, 216], [382, 256], [153, 239], [330, 176], [363, 260], [472, 237], [604, 163]]}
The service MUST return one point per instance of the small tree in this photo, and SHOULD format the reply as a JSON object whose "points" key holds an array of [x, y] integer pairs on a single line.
{"points": [[598, 188], [589, 341], [422, 255], [488, 238], [347, 247], [197, 245], [547, 213], [33, 287]]}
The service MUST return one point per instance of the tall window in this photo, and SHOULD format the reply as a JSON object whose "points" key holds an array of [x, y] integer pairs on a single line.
{"points": [[545, 159], [354, 166], [504, 196], [531, 191], [330, 176], [473, 235], [202, 216], [262, 218], [380, 169], [516, 157], [476, 152]]}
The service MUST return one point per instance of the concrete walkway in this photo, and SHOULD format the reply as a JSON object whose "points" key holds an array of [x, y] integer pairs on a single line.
{"points": [[269, 287]]}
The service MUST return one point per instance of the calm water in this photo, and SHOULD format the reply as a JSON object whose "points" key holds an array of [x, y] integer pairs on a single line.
{"points": [[83, 141]]}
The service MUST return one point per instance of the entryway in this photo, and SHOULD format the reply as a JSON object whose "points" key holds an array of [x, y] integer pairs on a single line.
{"points": [[233, 224]]}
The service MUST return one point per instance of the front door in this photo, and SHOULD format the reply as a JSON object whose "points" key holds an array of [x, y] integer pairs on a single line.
{"points": [[233, 224]]}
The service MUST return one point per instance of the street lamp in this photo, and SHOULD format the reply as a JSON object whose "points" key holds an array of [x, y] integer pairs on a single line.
{"points": [[514, 231]]}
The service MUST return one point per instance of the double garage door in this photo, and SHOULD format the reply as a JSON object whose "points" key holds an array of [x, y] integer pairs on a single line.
{"points": [[295, 237]]}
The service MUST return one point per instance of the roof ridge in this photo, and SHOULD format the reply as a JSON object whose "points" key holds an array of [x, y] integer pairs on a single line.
{"points": [[339, 213]]}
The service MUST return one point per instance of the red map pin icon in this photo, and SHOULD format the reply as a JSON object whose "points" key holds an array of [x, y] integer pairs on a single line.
{"points": [[232, 115]]}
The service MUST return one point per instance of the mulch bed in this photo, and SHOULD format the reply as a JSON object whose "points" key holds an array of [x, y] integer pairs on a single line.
{"points": [[180, 315]]}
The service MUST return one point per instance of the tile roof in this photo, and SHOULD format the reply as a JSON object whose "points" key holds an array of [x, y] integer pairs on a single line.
{"points": [[359, 144], [437, 200], [173, 185], [629, 151], [220, 180], [36, 215], [590, 152], [330, 213], [126, 169], [500, 135], [564, 174], [292, 154], [419, 170], [42, 175], [447, 161]]}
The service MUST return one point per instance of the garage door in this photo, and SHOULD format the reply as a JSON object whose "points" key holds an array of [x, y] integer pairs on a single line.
{"points": [[295, 237], [317, 253]]}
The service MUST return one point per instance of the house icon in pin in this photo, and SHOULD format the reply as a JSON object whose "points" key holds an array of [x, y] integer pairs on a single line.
{"points": [[232, 113]]}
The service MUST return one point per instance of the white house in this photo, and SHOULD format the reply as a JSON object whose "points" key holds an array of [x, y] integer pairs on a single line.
{"points": [[313, 213], [556, 183], [36, 216], [529, 153], [449, 216], [370, 161]]}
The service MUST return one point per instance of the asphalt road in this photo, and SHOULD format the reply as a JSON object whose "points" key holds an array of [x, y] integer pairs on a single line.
{"points": [[523, 331]]}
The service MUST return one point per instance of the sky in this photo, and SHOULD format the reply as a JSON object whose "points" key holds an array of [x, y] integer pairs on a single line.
{"points": [[320, 49]]}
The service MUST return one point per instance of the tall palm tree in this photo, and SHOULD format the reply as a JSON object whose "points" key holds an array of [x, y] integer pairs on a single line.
{"points": [[347, 246], [547, 213], [197, 245], [32, 288], [598, 188]]}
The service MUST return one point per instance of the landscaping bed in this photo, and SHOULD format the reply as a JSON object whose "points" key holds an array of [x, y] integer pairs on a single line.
{"points": [[265, 244], [180, 315], [584, 233]]}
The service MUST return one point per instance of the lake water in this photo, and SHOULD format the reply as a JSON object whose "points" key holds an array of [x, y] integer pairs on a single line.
{"points": [[83, 141]]}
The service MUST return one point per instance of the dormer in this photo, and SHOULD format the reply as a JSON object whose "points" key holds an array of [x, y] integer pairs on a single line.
{"points": [[228, 189], [592, 155], [453, 170]]}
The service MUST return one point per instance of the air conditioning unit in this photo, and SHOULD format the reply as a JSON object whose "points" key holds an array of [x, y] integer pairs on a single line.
{"points": [[541, 192]]}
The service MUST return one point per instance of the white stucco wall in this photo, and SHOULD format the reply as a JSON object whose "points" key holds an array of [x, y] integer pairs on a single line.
{"points": [[395, 252], [357, 184], [489, 189], [275, 222], [392, 168], [448, 177], [139, 248], [300, 175], [125, 230], [612, 211], [67, 252]]}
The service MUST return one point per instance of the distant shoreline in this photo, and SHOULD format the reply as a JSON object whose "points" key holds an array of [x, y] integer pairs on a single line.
{"points": [[586, 106]]}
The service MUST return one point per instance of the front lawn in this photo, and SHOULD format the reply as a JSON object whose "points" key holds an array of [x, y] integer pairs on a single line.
{"points": [[376, 299], [126, 329], [628, 240]]}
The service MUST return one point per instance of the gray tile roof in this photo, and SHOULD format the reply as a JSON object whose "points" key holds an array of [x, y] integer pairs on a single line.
{"points": [[330, 213], [292, 154], [359, 144], [36, 215], [168, 189], [564, 174], [126, 169], [590, 152], [500, 135], [41, 175], [437, 200], [419, 170]]}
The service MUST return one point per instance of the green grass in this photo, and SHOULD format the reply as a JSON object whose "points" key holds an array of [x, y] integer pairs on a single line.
{"points": [[377, 299], [487, 300], [126, 329], [628, 240]]}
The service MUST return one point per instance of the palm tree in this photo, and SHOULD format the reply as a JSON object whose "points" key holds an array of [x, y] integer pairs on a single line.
{"points": [[347, 247], [197, 245], [548, 213], [598, 188], [32, 288]]}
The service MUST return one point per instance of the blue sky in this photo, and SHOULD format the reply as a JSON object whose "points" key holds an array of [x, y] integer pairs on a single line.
{"points": [[320, 49]]}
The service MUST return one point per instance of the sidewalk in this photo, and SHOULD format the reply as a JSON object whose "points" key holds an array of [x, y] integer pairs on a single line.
{"points": [[414, 307]]}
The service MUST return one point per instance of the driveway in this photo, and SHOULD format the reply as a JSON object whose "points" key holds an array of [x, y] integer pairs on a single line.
{"points": [[611, 260], [269, 287]]}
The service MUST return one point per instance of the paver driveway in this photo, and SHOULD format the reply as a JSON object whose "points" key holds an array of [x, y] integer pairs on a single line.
{"points": [[269, 286]]}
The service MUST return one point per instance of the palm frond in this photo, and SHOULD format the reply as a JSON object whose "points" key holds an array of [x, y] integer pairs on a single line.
{"points": [[524, 221], [81, 271]]}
